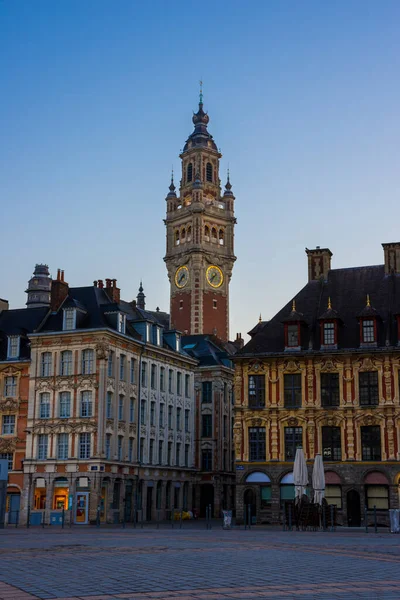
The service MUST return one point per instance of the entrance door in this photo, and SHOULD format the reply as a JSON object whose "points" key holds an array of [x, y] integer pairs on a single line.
{"points": [[250, 501], [82, 508], [353, 509], [206, 498], [149, 502], [13, 510]]}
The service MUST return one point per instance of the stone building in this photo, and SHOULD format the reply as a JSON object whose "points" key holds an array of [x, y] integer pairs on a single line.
{"points": [[110, 424], [323, 374]]}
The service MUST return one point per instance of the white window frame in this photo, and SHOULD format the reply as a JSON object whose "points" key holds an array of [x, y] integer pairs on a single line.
{"points": [[84, 438], [86, 401], [10, 386], [9, 427], [61, 404], [108, 446], [66, 365], [62, 444], [121, 323], [87, 361], [43, 446], [44, 402], [13, 346], [45, 364], [69, 324]]}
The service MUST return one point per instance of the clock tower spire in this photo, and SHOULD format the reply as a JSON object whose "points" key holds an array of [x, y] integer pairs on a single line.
{"points": [[200, 224]]}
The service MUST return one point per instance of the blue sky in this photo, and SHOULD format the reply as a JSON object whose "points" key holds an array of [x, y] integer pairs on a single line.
{"points": [[96, 102]]}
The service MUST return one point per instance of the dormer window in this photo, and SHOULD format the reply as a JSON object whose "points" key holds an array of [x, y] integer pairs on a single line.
{"points": [[148, 338], [329, 334], [368, 325], [13, 346], [158, 336], [178, 343], [368, 331], [292, 336], [329, 322], [294, 323], [69, 320], [121, 323]]}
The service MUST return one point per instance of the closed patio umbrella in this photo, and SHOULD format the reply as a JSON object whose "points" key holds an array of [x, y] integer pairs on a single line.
{"points": [[300, 474], [318, 479]]}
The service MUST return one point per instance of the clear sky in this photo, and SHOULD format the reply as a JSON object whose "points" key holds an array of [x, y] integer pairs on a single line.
{"points": [[96, 102]]}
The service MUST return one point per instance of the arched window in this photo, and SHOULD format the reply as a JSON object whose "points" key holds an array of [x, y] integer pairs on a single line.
{"points": [[214, 235], [209, 172], [189, 234], [221, 237], [177, 238], [207, 233], [183, 235], [189, 172], [66, 363]]}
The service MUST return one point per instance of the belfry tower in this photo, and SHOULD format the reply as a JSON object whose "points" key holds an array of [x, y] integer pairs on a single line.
{"points": [[200, 225]]}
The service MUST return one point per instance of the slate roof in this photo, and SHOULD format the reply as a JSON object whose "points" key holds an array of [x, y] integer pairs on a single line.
{"points": [[208, 350], [20, 321], [348, 290]]}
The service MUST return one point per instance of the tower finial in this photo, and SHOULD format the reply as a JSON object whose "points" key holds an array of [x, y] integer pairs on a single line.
{"points": [[368, 300], [201, 92], [260, 319], [329, 303], [172, 175], [294, 305]]}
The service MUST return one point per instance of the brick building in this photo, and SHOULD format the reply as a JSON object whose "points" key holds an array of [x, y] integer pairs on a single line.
{"points": [[323, 374]]}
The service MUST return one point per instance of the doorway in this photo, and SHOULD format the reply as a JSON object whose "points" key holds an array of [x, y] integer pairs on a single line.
{"points": [[250, 500], [13, 508], [353, 509], [82, 508], [149, 502], [206, 499]]}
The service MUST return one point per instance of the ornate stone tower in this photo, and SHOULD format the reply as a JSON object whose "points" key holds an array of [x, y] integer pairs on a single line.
{"points": [[39, 287], [200, 224]]}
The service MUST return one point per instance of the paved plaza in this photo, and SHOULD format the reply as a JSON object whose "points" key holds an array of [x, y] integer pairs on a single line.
{"points": [[196, 564]]}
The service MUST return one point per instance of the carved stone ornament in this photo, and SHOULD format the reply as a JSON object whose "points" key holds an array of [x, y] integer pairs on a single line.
{"points": [[102, 350], [171, 436], [87, 381], [187, 438], [161, 434], [122, 388], [9, 404], [64, 382], [9, 371], [111, 383], [44, 384], [8, 444], [143, 431], [256, 422], [132, 428], [178, 437], [292, 422], [292, 365], [152, 431]]}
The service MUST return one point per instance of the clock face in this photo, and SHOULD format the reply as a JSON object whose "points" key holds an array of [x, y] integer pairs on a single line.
{"points": [[181, 277], [214, 276]]}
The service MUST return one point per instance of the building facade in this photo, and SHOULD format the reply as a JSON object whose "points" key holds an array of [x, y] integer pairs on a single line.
{"points": [[324, 375]]}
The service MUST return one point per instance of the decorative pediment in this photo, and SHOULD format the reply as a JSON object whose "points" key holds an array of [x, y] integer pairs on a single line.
{"points": [[329, 365], [291, 366], [64, 382], [87, 381], [44, 384], [8, 444], [257, 367], [9, 404], [10, 371], [334, 420], [370, 418]]}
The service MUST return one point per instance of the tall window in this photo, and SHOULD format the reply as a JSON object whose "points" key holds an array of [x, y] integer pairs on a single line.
{"points": [[169, 457], [162, 379], [293, 440], [108, 446], [331, 443], [161, 416], [9, 457], [368, 331], [160, 452], [293, 336], [292, 390], [152, 414], [371, 442], [121, 408], [170, 381], [153, 376], [189, 172], [130, 450], [43, 444], [109, 405], [187, 385], [44, 405], [132, 370], [178, 419], [169, 417], [84, 445], [69, 319], [329, 334], [144, 374], [122, 358], [209, 172], [369, 391], [110, 363], [45, 364], [256, 391], [8, 427], [257, 443], [206, 460], [87, 361], [206, 391], [179, 383], [377, 495], [141, 450], [66, 363], [13, 346], [86, 404], [143, 412], [62, 446], [187, 424], [178, 454], [225, 426], [330, 389], [206, 426], [120, 438], [131, 410], [186, 455], [151, 452], [121, 323], [10, 386]]}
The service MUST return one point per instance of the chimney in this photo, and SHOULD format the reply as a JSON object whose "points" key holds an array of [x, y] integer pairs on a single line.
{"points": [[115, 292], [319, 263], [95, 283], [108, 284], [239, 342], [3, 305], [59, 291], [100, 284], [392, 257]]}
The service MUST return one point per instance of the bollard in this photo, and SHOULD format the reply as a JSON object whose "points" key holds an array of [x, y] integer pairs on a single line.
{"points": [[158, 519], [62, 519], [375, 523], [290, 517], [28, 517], [366, 519], [249, 515], [332, 518], [180, 521]]}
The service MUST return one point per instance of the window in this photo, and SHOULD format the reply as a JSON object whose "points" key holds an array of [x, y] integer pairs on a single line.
{"points": [[265, 496], [257, 443], [178, 419], [160, 452], [214, 236], [13, 346], [121, 323], [131, 410], [44, 405], [206, 426], [108, 446], [170, 417], [170, 381], [369, 391], [10, 387], [256, 391], [86, 404], [8, 425], [158, 336], [143, 412], [292, 390], [187, 386], [330, 389], [225, 430], [84, 445], [121, 408], [66, 363], [8, 456], [186, 455], [333, 495], [377, 495], [141, 450], [331, 443], [153, 377], [187, 424], [179, 383], [169, 458], [293, 440], [151, 452], [189, 172], [178, 454], [368, 331], [207, 233], [371, 442], [168, 495], [206, 391], [221, 237], [130, 450], [152, 414], [69, 320], [293, 336], [161, 416], [144, 374], [87, 361], [209, 172], [329, 334], [109, 405], [122, 367], [162, 379], [62, 446], [43, 443], [132, 370], [206, 460], [45, 364], [177, 240], [120, 438], [110, 363]]}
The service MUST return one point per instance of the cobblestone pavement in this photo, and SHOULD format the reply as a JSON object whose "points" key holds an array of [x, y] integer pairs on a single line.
{"points": [[195, 564]]}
